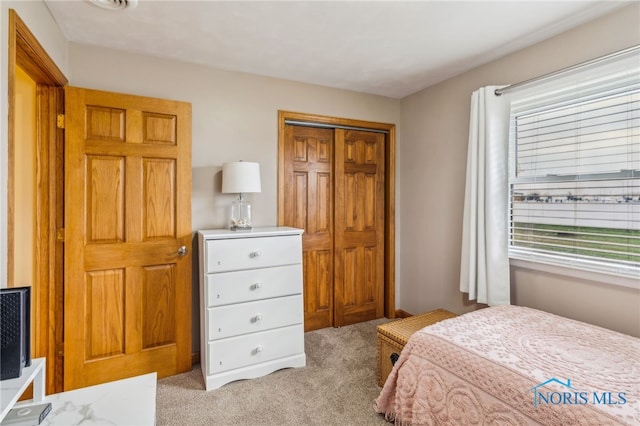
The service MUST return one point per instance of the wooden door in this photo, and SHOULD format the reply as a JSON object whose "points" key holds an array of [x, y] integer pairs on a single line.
{"points": [[127, 294], [309, 205], [359, 226]]}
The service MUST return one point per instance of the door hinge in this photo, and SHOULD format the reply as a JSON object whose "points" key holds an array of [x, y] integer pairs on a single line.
{"points": [[60, 235], [60, 121]]}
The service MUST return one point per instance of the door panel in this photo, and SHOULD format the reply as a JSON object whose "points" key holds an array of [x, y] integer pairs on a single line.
{"points": [[309, 205], [359, 226], [159, 204], [158, 307], [105, 199], [105, 313], [128, 197]]}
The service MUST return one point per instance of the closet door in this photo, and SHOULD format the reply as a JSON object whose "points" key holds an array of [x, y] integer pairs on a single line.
{"points": [[359, 226], [308, 196], [333, 187]]}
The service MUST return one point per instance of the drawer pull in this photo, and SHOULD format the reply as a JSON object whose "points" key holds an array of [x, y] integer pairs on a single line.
{"points": [[257, 318], [257, 350], [255, 254], [256, 286]]}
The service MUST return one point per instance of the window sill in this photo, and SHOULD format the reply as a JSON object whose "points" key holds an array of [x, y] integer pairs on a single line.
{"points": [[628, 281]]}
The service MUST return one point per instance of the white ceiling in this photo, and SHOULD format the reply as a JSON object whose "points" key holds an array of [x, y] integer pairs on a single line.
{"points": [[389, 48]]}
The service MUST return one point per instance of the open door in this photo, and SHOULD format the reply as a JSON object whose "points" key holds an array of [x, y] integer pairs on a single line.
{"points": [[127, 299]]}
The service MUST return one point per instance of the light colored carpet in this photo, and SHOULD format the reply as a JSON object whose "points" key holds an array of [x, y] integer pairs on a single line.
{"points": [[337, 387]]}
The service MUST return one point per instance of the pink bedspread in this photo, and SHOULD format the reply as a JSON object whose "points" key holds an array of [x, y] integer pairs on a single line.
{"points": [[512, 365]]}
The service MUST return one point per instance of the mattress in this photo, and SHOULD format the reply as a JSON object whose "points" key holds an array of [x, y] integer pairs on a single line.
{"points": [[514, 365]]}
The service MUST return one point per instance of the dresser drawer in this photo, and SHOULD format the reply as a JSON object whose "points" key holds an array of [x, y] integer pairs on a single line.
{"points": [[243, 318], [250, 253], [241, 351], [244, 286]]}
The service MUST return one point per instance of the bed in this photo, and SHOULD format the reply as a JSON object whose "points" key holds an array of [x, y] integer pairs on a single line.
{"points": [[511, 365]]}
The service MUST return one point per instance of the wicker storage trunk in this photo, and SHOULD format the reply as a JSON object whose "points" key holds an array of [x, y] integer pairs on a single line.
{"points": [[392, 337]]}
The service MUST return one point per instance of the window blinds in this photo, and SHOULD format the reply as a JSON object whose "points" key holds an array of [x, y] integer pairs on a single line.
{"points": [[575, 169]]}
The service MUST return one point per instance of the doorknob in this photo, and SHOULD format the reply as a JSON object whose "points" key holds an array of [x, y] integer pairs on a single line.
{"points": [[182, 251]]}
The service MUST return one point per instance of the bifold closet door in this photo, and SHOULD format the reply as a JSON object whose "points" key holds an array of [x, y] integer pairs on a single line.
{"points": [[334, 190], [359, 226], [309, 205]]}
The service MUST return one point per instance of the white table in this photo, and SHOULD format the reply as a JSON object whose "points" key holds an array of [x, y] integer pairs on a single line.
{"points": [[129, 401], [12, 389]]}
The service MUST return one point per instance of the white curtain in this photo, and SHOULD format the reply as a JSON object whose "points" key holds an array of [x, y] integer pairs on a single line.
{"points": [[484, 270]]}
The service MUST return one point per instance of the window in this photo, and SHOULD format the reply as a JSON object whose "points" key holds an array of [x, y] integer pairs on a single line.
{"points": [[575, 170]]}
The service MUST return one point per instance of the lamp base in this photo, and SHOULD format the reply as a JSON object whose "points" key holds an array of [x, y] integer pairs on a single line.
{"points": [[240, 219]]}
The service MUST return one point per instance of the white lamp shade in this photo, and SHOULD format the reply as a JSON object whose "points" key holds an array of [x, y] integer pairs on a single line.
{"points": [[240, 177]]}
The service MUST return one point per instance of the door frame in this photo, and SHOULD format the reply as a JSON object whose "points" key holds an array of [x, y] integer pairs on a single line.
{"points": [[26, 52], [390, 187]]}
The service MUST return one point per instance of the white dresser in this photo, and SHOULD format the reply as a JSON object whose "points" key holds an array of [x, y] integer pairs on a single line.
{"points": [[251, 317]]}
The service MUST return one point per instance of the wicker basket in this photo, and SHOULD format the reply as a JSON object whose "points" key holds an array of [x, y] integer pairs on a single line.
{"points": [[392, 337]]}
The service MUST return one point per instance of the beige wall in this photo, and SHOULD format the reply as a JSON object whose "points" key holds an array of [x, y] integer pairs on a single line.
{"points": [[432, 162]]}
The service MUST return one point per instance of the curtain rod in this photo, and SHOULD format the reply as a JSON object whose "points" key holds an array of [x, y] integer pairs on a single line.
{"points": [[628, 50], [331, 126]]}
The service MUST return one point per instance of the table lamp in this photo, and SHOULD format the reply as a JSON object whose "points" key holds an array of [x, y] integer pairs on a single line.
{"points": [[240, 177]]}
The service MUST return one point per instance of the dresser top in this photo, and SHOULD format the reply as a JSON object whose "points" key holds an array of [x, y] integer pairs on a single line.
{"points": [[265, 231]]}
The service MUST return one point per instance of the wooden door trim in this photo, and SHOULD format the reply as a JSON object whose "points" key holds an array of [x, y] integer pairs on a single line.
{"points": [[390, 185], [26, 52]]}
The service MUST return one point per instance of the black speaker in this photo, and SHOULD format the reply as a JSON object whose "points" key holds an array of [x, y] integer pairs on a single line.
{"points": [[15, 326]]}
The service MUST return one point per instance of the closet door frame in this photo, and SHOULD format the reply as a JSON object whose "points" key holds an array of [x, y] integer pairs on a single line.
{"points": [[390, 185]]}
